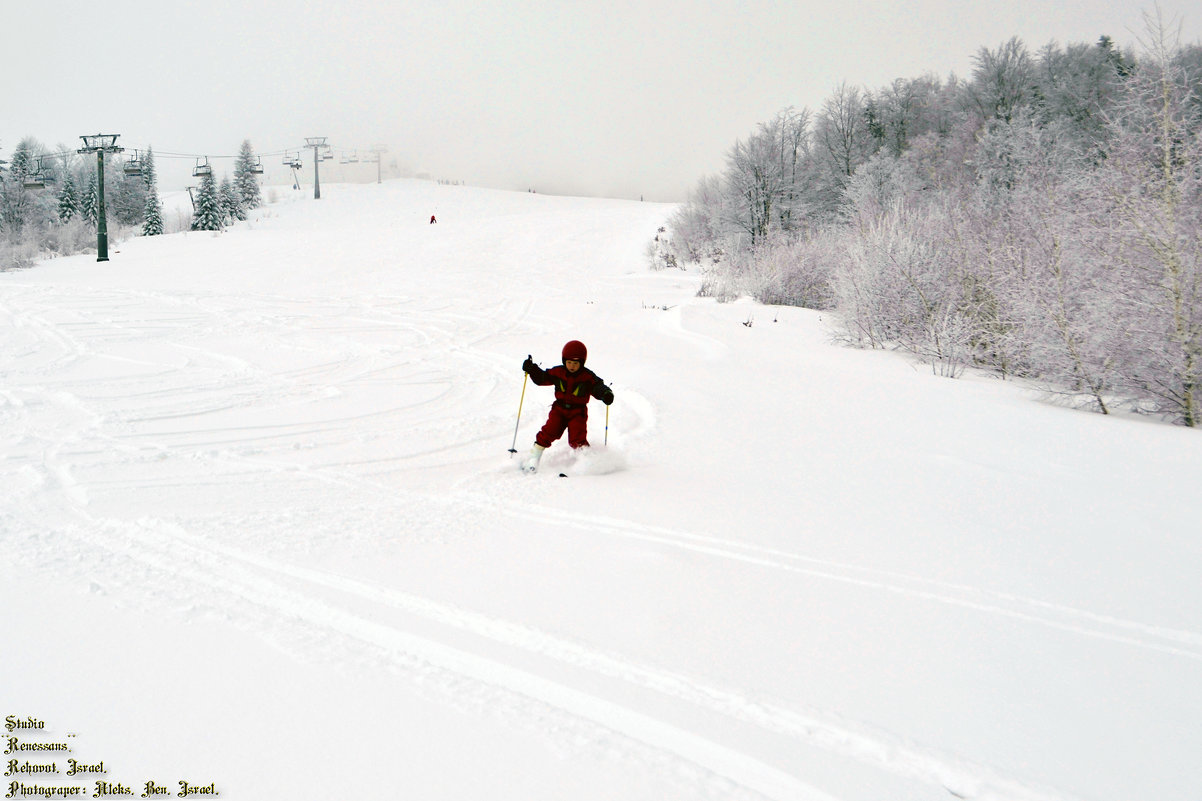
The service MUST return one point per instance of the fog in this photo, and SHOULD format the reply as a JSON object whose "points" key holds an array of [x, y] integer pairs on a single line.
{"points": [[616, 99]]}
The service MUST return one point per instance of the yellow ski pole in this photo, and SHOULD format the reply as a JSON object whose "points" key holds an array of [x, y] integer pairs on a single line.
{"points": [[607, 424], [514, 449]]}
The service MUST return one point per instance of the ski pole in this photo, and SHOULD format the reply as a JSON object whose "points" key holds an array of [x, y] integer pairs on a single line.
{"points": [[607, 424], [514, 449]]}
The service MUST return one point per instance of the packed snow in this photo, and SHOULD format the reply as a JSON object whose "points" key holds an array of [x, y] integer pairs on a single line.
{"points": [[263, 533]]}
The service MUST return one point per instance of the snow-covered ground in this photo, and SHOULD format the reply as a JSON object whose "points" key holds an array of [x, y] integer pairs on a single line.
{"points": [[262, 531]]}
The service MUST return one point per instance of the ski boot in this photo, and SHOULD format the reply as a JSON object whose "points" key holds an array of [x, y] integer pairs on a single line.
{"points": [[530, 463]]}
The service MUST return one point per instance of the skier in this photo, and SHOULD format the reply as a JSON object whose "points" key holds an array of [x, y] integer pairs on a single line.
{"points": [[574, 385], [432, 219]]}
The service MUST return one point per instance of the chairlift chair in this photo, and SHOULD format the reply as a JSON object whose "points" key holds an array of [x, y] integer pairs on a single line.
{"points": [[133, 166], [35, 179], [202, 169], [257, 167]]}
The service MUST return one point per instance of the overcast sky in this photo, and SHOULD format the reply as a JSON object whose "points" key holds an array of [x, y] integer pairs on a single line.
{"points": [[595, 97]]}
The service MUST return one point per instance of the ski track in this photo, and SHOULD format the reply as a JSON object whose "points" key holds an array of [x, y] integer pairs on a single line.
{"points": [[202, 381], [1056, 616], [813, 728], [238, 578], [166, 551]]}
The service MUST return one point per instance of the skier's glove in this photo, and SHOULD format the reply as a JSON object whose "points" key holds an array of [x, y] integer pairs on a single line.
{"points": [[607, 399], [528, 366]]}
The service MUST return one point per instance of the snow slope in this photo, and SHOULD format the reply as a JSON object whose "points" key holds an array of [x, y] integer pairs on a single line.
{"points": [[261, 531]]}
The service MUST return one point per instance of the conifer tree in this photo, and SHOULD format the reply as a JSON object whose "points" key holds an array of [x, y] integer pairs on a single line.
{"points": [[18, 205], [91, 200], [68, 199], [152, 214], [207, 216], [148, 171], [23, 158], [245, 179], [124, 195], [231, 202]]}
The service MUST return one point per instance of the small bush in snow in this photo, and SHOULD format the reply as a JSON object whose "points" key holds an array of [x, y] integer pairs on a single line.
{"points": [[660, 252]]}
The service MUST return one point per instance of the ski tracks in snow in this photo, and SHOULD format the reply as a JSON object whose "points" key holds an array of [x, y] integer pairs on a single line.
{"points": [[339, 617], [808, 727], [567, 689], [1178, 642]]}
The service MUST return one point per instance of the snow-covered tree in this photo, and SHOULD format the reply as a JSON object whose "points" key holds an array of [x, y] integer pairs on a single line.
{"points": [[90, 204], [152, 213], [124, 195], [1003, 81], [1149, 199], [1032, 229], [900, 112], [843, 143], [68, 199], [696, 226], [231, 202], [18, 205], [1075, 87], [150, 175], [208, 214], [245, 179], [753, 176], [24, 158]]}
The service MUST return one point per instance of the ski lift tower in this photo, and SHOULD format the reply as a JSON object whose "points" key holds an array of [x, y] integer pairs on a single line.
{"points": [[318, 143], [100, 144], [378, 151]]}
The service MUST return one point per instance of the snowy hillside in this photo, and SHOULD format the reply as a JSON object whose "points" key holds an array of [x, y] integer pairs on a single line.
{"points": [[262, 534]]}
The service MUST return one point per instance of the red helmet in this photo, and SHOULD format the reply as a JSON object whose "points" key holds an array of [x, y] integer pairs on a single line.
{"points": [[575, 350]]}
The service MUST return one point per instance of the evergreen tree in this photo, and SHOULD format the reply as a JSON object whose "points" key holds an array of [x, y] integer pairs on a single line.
{"points": [[91, 200], [231, 202], [23, 158], [245, 178], [207, 216], [149, 175], [18, 205], [152, 214], [124, 195], [68, 199]]}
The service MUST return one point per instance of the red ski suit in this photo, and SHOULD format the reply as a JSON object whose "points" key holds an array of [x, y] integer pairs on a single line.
{"points": [[570, 410]]}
